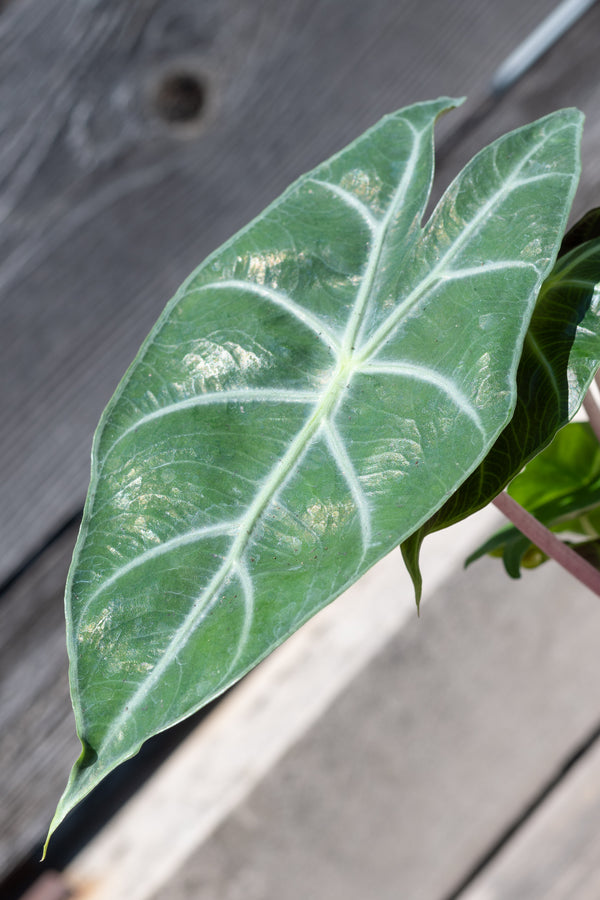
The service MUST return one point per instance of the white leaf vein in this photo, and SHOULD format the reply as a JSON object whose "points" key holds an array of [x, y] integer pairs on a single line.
{"points": [[350, 200], [247, 588], [181, 540], [429, 375], [278, 298], [346, 466], [210, 398], [497, 266]]}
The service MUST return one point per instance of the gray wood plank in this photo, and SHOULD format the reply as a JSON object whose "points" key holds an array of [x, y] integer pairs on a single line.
{"points": [[431, 753], [105, 208], [37, 729], [555, 856]]}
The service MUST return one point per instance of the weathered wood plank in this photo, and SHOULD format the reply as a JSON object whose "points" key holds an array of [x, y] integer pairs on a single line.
{"points": [[105, 207], [555, 855], [37, 730]]}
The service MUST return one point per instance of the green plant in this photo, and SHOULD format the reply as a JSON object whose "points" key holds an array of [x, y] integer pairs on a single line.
{"points": [[336, 380]]}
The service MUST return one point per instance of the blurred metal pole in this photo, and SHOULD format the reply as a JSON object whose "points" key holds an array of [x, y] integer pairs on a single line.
{"points": [[539, 41]]}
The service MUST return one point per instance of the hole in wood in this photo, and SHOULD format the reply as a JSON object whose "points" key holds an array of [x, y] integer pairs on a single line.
{"points": [[180, 98]]}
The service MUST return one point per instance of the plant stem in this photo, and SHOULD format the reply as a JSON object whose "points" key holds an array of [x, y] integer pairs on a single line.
{"points": [[565, 556], [593, 413]]}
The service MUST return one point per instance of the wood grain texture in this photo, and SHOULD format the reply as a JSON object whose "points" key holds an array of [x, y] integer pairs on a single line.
{"points": [[105, 208], [555, 855], [37, 728]]}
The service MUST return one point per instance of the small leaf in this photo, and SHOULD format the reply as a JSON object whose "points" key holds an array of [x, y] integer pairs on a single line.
{"points": [[314, 391], [561, 488], [560, 357], [569, 466]]}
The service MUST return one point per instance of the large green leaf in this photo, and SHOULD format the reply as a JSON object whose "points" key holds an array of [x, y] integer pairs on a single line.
{"points": [[561, 488], [560, 357], [314, 391]]}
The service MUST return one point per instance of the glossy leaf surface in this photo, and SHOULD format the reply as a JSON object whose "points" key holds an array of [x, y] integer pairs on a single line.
{"points": [[560, 357], [315, 390], [561, 488]]}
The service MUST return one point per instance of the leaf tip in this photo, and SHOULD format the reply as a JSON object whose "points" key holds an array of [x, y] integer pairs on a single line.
{"points": [[447, 104], [57, 819], [410, 553]]}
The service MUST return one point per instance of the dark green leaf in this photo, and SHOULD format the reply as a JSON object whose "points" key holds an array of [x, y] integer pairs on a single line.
{"points": [[586, 229]]}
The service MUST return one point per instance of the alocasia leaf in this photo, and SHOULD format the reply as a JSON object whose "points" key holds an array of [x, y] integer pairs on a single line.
{"points": [[561, 488], [561, 354], [314, 391]]}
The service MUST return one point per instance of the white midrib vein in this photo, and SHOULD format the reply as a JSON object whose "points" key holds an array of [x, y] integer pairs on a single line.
{"points": [[349, 361], [231, 395]]}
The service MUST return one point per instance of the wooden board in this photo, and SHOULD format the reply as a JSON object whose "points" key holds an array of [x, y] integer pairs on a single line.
{"points": [[37, 730], [555, 855]]}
